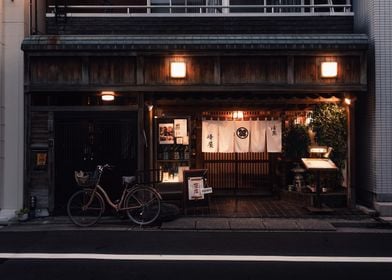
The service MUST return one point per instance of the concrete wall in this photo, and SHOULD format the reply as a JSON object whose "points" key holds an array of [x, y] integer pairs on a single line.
{"points": [[374, 18], [14, 27]]}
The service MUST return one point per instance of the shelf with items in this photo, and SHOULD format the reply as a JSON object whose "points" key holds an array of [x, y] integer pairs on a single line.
{"points": [[172, 148]]}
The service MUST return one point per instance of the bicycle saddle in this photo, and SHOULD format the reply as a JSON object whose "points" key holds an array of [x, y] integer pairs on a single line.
{"points": [[128, 179]]}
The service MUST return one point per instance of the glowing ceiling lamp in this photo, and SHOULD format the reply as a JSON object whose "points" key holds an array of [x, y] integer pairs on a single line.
{"points": [[107, 95]]}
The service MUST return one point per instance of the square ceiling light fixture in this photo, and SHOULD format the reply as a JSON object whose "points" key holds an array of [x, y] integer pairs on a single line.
{"points": [[177, 69], [329, 69]]}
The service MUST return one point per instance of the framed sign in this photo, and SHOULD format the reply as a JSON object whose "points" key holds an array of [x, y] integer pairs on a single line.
{"points": [[319, 164], [180, 127], [40, 160], [195, 188], [166, 133]]}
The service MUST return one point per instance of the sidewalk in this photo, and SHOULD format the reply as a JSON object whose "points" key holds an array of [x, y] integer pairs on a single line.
{"points": [[206, 224]]}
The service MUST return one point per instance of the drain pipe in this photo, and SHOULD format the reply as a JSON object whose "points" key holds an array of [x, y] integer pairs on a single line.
{"points": [[31, 17], [36, 17]]}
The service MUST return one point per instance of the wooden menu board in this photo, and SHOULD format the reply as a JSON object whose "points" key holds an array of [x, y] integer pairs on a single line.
{"points": [[319, 164]]}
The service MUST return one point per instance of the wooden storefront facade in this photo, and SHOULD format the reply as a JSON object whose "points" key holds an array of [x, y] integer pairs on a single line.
{"points": [[266, 77]]}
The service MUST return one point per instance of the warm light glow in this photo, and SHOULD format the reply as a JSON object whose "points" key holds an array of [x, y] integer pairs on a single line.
{"points": [[318, 149], [329, 69], [177, 69], [238, 115], [107, 95], [150, 107], [347, 101]]}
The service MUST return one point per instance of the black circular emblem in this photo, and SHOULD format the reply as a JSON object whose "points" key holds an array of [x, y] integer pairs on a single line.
{"points": [[242, 133]]}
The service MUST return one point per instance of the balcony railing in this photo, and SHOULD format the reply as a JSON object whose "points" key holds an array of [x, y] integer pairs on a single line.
{"points": [[205, 8]]}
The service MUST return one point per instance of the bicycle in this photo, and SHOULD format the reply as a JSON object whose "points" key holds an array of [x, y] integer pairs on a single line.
{"points": [[141, 202]]}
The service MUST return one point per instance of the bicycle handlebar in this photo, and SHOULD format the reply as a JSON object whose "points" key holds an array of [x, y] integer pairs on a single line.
{"points": [[105, 166]]}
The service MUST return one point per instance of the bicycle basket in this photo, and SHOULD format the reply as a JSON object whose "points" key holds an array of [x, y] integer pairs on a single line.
{"points": [[85, 179]]}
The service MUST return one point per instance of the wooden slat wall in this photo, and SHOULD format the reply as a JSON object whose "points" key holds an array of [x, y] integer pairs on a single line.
{"points": [[199, 70], [254, 69], [307, 70], [242, 171], [112, 70], [49, 70], [39, 179]]}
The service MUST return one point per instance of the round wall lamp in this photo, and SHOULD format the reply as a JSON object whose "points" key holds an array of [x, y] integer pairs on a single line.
{"points": [[107, 95]]}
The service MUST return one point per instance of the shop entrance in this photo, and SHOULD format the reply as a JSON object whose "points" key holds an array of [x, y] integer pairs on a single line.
{"points": [[241, 173], [241, 170], [84, 140]]}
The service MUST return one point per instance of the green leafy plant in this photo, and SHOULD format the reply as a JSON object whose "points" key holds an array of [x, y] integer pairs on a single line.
{"points": [[296, 142], [329, 122], [21, 212]]}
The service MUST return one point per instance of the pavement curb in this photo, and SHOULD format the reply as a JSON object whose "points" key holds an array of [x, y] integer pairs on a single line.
{"points": [[204, 224]]}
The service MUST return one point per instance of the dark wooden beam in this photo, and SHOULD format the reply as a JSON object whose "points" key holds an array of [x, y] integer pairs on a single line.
{"points": [[198, 53], [85, 71], [257, 88], [239, 103], [290, 70], [140, 70], [102, 108], [217, 70], [364, 67], [141, 133]]}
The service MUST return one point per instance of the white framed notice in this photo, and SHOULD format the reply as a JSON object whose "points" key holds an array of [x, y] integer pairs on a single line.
{"points": [[195, 188], [180, 127]]}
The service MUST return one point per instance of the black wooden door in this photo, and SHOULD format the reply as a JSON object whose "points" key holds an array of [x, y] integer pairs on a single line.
{"points": [[82, 141]]}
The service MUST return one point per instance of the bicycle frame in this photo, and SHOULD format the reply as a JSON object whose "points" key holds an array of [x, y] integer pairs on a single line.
{"points": [[98, 190]]}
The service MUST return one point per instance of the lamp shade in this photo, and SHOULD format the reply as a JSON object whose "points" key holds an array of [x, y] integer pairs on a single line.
{"points": [[107, 95], [329, 69], [178, 69]]}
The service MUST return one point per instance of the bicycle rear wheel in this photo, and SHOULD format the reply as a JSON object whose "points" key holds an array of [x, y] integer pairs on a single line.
{"points": [[143, 205], [83, 209]]}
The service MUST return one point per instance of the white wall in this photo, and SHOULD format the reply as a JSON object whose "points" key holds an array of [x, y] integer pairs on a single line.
{"points": [[374, 18], [1, 101], [13, 26]]}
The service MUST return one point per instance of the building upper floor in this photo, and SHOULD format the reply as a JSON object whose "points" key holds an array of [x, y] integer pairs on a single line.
{"points": [[148, 17]]}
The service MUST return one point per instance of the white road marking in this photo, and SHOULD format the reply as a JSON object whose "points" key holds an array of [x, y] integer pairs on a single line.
{"points": [[213, 258]]}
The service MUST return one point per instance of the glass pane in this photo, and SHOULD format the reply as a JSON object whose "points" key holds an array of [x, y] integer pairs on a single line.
{"points": [[160, 3]]}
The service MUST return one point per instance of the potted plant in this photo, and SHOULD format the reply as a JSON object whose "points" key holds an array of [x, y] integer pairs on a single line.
{"points": [[295, 145], [329, 122], [296, 141], [22, 214]]}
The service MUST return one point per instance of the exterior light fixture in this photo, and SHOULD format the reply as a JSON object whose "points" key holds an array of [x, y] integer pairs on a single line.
{"points": [[347, 101], [177, 69], [238, 115], [107, 95], [329, 69], [318, 149]]}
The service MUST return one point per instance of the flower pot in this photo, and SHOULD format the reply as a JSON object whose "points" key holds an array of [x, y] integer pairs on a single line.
{"points": [[23, 217]]}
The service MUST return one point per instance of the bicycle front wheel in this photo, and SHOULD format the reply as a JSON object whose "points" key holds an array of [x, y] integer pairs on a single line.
{"points": [[143, 205], [85, 208]]}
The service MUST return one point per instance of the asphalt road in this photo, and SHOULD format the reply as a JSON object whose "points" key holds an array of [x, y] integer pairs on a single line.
{"points": [[254, 255]]}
